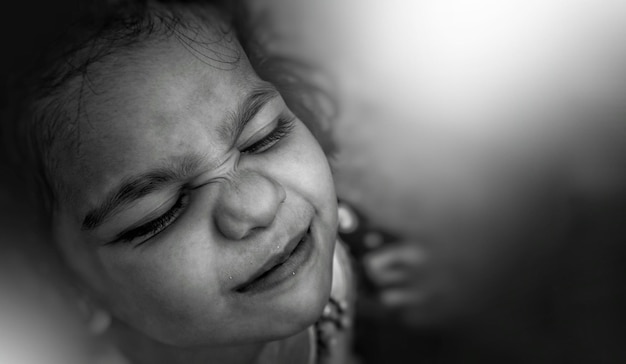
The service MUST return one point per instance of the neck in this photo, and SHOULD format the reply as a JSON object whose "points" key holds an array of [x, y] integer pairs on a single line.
{"points": [[140, 349]]}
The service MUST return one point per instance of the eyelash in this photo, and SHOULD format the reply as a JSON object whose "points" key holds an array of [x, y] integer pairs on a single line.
{"points": [[284, 127], [157, 225], [154, 227]]}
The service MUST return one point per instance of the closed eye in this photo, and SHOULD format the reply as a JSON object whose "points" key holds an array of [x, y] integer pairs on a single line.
{"points": [[152, 228], [283, 127]]}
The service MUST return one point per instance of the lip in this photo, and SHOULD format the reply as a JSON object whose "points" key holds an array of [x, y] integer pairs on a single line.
{"points": [[273, 262]]}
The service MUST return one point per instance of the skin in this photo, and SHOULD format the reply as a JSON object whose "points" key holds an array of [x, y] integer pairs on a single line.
{"points": [[240, 208]]}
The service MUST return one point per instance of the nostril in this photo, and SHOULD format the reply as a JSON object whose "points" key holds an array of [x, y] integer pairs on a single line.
{"points": [[242, 226], [251, 232]]}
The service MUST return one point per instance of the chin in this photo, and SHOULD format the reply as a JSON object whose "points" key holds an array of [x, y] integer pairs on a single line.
{"points": [[305, 306]]}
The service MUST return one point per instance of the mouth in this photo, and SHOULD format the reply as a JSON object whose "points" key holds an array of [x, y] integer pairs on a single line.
{"points": [[280, 267]]}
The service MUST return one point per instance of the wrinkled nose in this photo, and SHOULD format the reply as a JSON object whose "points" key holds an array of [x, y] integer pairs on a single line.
{"points": [[247, 201]]}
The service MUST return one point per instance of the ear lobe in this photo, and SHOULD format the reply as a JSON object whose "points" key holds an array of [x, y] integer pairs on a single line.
{"points": [[99, 322], [97, 319]]}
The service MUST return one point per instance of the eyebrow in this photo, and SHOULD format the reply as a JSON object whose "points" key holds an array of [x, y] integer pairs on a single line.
{"points": [[246, 111], [136, 187]]}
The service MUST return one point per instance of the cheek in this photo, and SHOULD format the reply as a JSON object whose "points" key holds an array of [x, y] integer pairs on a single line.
{"points": [[310, 171], [309, 175], [315, 183], [163, 286]]}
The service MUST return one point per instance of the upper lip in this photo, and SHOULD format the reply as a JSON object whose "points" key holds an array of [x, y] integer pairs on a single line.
{"points": [[274, 260]]}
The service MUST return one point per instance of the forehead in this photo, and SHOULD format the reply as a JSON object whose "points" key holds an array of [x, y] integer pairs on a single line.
{"points": [[151, 107]]}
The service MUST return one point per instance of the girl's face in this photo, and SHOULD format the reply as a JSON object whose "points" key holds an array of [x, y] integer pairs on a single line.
{"points": [[203, 210]]}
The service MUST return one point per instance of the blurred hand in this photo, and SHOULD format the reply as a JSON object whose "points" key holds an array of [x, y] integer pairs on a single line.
{"points": [[394, 271]]}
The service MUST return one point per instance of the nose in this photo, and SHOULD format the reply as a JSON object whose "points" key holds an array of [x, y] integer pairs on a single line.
{"points": [[247, 201]]}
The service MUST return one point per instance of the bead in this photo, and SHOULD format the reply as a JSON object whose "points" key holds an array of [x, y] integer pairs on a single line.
{"points": [[327, 310]]}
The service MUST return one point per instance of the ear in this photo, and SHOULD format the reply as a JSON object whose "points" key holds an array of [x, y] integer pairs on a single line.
{"points": [[96, 318]]}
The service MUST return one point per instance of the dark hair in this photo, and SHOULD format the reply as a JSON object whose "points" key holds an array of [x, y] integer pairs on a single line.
{"points": [[49, 106]]}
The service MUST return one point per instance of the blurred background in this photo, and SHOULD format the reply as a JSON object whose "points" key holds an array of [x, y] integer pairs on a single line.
{"points": [[483, 144], [482, 155]]}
